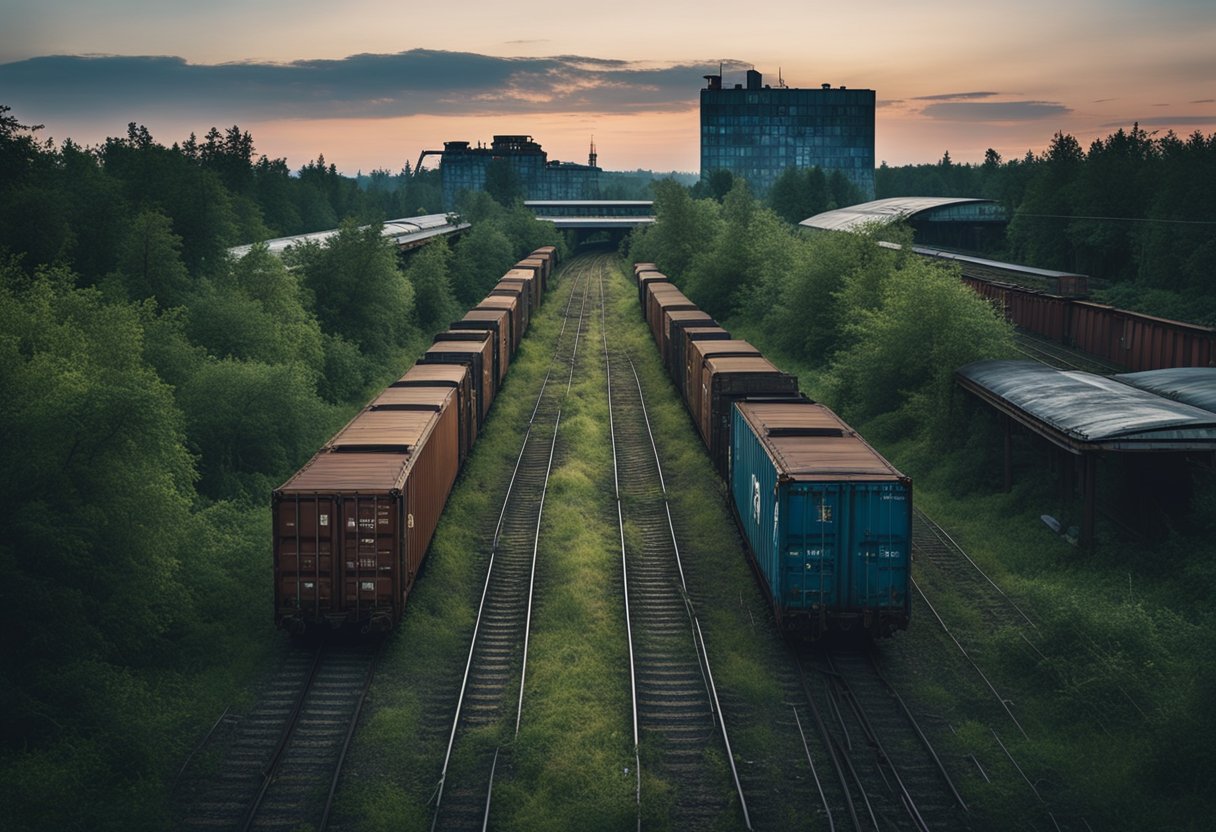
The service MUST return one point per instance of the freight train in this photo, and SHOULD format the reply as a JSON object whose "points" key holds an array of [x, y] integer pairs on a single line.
{"points": [[1053, 305], [351, 528], [825, 519]]}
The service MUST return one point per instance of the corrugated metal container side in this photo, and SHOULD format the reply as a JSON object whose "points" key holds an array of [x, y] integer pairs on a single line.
{"points": [[520, 291], [510, 303], [497, 321], [352, 527], [1140, 342], [426, 398], [537, 267], [644, 281], [660, 297], [698, 351], [456, 377], [725, 380], [478, 335], [480, 362], [530, 275], [675, 320], [826, 519], [549, 255], [682, 350]]}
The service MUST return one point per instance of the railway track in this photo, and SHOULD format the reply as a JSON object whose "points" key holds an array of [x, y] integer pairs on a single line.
{"points": [[890, 774], [676, 713], [281, 768], [490, 702], [1060, 356]]}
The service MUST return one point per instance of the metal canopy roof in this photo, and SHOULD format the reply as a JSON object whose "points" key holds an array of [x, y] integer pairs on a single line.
{"points": [[904, 207], [1190, 385], [1086, 412], [405, 232]]}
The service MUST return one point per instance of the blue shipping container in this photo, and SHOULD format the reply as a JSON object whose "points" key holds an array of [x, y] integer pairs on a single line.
{"points": [[826, 518]]}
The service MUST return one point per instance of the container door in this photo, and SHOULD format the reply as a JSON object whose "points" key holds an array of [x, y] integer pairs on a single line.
{"points": [[368, 533], [305, 529], [812, 546], [880, 533]]}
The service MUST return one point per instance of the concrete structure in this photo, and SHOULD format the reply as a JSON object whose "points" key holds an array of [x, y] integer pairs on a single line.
{"points": [[464, 168], [407, 233], [756, 131]]}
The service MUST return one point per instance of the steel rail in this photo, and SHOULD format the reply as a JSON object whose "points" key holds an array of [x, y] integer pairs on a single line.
{"points": [[276, 758], [699, 638], [834, 752], [201, 743], [1004, 703], [620, 520], [884, 759], [350, 733], [473, 641], [815, 774]]}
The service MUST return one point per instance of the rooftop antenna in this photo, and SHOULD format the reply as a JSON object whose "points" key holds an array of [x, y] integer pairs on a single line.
{"points": [[593, 156], [780, 80]]}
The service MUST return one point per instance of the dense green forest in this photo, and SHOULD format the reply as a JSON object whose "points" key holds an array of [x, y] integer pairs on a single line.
{"points": [[153, 390], [1135, 210], [876, 334]]}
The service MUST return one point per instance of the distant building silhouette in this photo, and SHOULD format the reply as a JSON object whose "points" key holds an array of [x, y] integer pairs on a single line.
{"points": [[756, 132], [465, 168]]}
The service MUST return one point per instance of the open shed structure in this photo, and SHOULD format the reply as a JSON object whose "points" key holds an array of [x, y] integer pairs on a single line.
{"points": [[1088, 415]]}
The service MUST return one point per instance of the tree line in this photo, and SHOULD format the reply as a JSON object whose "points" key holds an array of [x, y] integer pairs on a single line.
{"points": [[1134, 210], [153, 390]]}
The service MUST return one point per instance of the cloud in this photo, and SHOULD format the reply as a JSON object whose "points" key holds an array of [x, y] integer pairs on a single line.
{"points": [[417, 82], [1204, 101], [956, 96], [995, 111]]}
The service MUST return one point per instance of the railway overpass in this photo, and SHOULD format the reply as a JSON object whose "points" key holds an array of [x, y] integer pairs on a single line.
{"points": [[588, 217]]}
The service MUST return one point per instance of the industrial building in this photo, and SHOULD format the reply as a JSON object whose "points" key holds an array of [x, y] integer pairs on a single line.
{"points": [[757, 131], [464, 168]]}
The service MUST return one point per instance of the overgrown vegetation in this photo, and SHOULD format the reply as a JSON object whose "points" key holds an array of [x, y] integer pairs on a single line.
{"points": [[154, 391], [1113, 692], [1135, 209]]}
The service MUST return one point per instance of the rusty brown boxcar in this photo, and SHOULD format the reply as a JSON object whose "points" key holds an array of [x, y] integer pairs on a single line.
{"points": [[1035, 311], [497, 321], [698, 351], [522, 292], [456, 377], [679, 360], [537, 267], [509, 304], [478, 357], [674, 321], [549, 255], [351, 527], [645, 279], [726, 380], [1140, 342], [477, 336], [660, 298]]}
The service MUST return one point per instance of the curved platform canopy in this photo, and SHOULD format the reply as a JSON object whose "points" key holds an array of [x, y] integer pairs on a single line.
{"points": [[1190, 385], [1085, 412], [406, 232], [918, 208]]}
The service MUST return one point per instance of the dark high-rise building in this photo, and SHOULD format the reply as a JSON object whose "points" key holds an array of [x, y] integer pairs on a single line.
{"points": [[756, 132], [464, 168]]}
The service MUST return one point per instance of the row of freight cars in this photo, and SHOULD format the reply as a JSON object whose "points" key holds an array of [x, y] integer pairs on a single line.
{"points": [[352, 526], [826, 520], [1128, 339]]}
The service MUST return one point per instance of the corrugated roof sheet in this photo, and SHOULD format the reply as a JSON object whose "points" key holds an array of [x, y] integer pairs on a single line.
{"points": [[401, 231], [1190, 385], [883, 210], [810, 443], [1092, 409]]}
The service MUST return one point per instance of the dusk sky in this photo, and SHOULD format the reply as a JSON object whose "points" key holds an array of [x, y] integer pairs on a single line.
{"points": [[371, 84]]}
